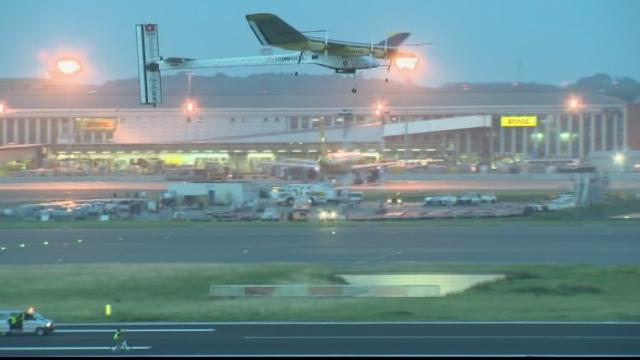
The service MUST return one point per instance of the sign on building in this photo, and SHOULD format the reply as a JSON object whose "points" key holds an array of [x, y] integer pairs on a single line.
{"points": [[91, 124], [518, 121]]}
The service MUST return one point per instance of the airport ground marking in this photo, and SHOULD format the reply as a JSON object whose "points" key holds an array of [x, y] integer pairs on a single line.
{"points": [[441, 337], [131, 330], [67, 348]]}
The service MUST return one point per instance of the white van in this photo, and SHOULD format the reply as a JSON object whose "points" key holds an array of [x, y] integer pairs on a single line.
{"points": [[33, 323]]}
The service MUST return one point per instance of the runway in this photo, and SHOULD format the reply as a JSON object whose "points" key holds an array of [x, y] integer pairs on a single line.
{"points": [[17, 190], [601, 244], [336, 339]]}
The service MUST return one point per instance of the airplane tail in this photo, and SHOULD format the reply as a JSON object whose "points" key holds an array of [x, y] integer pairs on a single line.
{"points": [[271, 30], [394, 40], [148, 68]]}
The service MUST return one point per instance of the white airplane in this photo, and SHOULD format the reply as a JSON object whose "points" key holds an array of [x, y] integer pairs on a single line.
{"points": [[343, 57]]}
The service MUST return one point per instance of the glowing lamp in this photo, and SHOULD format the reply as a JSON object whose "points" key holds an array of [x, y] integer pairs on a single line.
{"points": [[406, 62], [574, 103], [68, 66], [190, 107]]}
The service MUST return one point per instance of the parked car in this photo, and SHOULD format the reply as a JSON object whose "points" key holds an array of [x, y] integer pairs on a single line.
{"points": [[270, 214], [285, 198], [440, 199], [179, 216], [468, 199], [488, 198]]}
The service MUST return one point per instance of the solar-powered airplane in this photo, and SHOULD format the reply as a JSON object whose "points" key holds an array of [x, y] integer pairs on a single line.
{"points": [[343, 57]]}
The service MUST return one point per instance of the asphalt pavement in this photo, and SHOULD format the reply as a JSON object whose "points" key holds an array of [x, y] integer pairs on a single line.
{"points": [[335, 339], [598, 243], [30, 189]]}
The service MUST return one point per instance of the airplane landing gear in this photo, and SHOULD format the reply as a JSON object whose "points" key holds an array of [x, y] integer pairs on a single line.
{"points": [[354, 89], [299, 60], [386, 79]]}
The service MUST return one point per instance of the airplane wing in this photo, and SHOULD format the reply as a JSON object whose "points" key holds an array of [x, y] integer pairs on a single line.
{"points": [[273, 31], [378, 50]]}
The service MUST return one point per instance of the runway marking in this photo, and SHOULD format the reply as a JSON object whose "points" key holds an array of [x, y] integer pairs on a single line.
{"points": [[358, 323], [131, 330], [67, 348], [398, 355], [351, 337]]}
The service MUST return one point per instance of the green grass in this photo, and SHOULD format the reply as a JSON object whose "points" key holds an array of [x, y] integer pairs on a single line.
{"points": [[178, 292]]}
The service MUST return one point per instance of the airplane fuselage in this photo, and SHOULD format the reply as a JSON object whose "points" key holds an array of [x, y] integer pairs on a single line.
{"points": [[339, 63]]}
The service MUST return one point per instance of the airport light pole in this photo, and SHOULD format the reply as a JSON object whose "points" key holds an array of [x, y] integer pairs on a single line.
{"points": [[68, 68], [380, 111]]}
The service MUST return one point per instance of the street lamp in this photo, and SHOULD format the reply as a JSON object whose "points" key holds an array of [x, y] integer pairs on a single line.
{"points": [[68, 67], [189, 108], [380, 110], [574, 103]]}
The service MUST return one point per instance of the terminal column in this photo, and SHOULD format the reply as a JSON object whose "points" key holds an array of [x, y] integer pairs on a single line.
{"points": [[525, 142], [5, 123], [27, 129], [557, 120], [614, 143], [581, 135], [592, 146], [625, 115], [502, 135], [603, 137], [49, 121], [546, 135], [38, 130]]}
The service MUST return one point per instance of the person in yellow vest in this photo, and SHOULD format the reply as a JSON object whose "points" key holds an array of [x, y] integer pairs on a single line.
{"points": [[120, 341], [13, 320]]}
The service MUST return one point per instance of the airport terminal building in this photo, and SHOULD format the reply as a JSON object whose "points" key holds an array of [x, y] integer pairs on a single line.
{"points": [[457, 125]]}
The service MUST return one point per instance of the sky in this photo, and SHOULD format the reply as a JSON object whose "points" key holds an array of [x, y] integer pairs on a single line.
{"points": [[546, 41]]}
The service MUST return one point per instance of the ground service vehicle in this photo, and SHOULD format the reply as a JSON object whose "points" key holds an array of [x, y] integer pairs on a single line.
{"points": [[32, 323]]}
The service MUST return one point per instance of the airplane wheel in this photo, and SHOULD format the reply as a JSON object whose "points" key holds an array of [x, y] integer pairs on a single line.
{"points": [[386, 80], [354, 90], [296, 74]]}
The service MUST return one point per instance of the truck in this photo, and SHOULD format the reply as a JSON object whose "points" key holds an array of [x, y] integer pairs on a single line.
{"points": [[316, 193]]}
